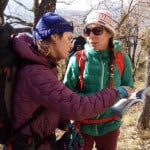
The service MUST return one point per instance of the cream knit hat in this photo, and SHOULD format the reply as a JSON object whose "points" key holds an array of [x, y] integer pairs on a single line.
{"points": [[102, 17]]}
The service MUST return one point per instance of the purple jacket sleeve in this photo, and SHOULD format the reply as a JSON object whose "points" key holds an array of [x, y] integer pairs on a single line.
{"points": [[58, 98]]}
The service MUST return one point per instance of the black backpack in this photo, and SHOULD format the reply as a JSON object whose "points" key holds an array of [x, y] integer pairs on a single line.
{"points": [[78, 44], [9, 66], [7, 76]]}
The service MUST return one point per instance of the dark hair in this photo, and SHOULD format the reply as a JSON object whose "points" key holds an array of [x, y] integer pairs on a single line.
{"points": [[111, 64]]}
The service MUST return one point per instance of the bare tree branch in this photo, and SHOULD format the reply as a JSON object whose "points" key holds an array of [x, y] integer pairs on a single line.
{"points": [[18, 20], [22, 5], [126, 15]]}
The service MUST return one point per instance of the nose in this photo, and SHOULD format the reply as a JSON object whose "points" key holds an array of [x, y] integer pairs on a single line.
{"points": [[91, 35]]}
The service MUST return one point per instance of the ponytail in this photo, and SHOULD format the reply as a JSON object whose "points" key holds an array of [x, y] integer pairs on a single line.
{"points": [[111, 83]]}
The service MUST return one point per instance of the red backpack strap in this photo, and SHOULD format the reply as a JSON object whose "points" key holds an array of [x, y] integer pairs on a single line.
{"points": [[120, 62], [81, 59]]}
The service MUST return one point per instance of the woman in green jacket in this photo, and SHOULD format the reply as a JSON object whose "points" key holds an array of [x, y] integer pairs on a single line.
{"points": [[100, 71]]}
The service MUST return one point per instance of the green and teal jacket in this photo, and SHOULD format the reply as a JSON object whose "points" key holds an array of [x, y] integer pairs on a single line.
{"points": [[96, 76]]}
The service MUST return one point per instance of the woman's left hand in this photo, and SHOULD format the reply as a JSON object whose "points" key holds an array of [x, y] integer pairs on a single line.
{"points": [[129, 90]]}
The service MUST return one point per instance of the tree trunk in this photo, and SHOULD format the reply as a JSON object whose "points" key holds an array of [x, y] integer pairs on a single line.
{"points": [[3, 4], [144, 119], [148, 67], [43, 7], [35, 10]]}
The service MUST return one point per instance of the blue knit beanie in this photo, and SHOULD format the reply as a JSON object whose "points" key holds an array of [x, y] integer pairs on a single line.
{"points": [[51, 23]]}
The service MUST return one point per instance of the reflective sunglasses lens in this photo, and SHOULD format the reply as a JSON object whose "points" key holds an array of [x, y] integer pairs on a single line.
{"points": [[97, 30], [87, 31]]}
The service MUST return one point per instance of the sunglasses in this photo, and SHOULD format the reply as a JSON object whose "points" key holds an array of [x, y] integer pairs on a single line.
{"points": [[95, 30]]}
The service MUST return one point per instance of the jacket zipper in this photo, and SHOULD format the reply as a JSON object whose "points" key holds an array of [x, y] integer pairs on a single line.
{"points": [[101, 85], [102, 73]]}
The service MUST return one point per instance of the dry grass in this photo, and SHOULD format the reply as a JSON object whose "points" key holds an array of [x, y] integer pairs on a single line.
{"points": [[130, 137]]}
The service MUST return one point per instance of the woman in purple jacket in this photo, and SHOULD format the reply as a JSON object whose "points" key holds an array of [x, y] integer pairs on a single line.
{"points": [[37, 85]]}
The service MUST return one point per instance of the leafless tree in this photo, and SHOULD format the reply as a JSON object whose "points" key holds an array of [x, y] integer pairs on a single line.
{"points": [[144, 119], [3, 4], [38, 9], [129, 26]]}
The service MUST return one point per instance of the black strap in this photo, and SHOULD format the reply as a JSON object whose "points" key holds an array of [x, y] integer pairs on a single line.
{"points": [[35, 115]]}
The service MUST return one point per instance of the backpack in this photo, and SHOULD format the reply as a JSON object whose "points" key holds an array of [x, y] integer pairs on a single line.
{"points": [[10, 64], [81, 59], [7, 73], [78, 44]]}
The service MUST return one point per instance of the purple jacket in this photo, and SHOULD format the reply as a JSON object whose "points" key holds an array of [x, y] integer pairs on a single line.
{"points": [[37, 84]]}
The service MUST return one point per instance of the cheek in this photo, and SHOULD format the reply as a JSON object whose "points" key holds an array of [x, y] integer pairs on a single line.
{"points": [[103, 39], [63, 50]]}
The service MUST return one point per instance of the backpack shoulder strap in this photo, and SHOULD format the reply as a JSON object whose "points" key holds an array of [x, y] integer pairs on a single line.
{"points": [[34, 116], [81, 59], [120, 61]]}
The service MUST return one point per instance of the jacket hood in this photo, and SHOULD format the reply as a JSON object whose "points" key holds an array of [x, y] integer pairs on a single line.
{"points": [[118, 45], [24, 47]]}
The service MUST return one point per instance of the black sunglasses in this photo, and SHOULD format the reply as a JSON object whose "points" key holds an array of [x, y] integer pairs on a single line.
{"points": [[95, 30]]}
